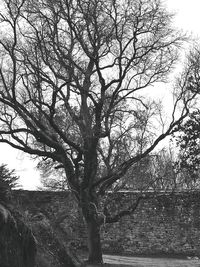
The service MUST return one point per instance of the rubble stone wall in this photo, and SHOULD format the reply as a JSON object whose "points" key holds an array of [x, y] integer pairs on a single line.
{"points": [[164, 224]]}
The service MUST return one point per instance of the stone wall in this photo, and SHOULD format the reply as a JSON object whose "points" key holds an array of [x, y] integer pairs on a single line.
{"points": [[164, 224]]}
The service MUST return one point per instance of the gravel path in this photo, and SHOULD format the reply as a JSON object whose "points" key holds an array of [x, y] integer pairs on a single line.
{"points": [[151, 262]]}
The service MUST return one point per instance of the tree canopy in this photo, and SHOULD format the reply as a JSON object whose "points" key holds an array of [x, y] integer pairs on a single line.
{"points": [[71, 73]]}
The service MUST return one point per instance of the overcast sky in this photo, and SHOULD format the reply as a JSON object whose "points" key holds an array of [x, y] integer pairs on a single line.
{"points": [[187, 18]]}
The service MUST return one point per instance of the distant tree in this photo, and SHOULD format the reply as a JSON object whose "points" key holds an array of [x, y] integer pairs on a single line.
{"points": [[156, 172], [188, 136], [52, 177], [163, 171], [72, 75], [188, 143], [8, 182]]}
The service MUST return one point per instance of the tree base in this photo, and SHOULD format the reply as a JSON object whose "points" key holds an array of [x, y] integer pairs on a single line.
{"points": [[93, 263]]}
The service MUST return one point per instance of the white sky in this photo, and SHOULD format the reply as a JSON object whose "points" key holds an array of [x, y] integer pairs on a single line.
{"points": [[187, 18]]}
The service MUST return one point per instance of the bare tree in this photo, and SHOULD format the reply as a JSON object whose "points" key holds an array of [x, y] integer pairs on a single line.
{"points": [[71, 74]]}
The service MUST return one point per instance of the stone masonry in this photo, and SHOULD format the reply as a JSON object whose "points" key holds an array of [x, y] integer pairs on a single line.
{"points": [[161, 225]]}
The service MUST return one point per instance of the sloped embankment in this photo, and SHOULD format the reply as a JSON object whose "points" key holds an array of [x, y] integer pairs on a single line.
{"points": [[52, 242], [17, 243]]}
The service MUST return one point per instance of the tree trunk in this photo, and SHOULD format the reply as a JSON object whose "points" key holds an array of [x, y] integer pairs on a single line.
{"points": [[89, 206], [94, 242]]}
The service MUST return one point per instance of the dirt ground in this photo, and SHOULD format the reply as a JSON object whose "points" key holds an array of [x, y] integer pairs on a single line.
{"points": [[150, 262]]}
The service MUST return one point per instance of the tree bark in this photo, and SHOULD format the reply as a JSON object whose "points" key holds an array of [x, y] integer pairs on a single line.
{"points": [[89, 205], [94, 242]]}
